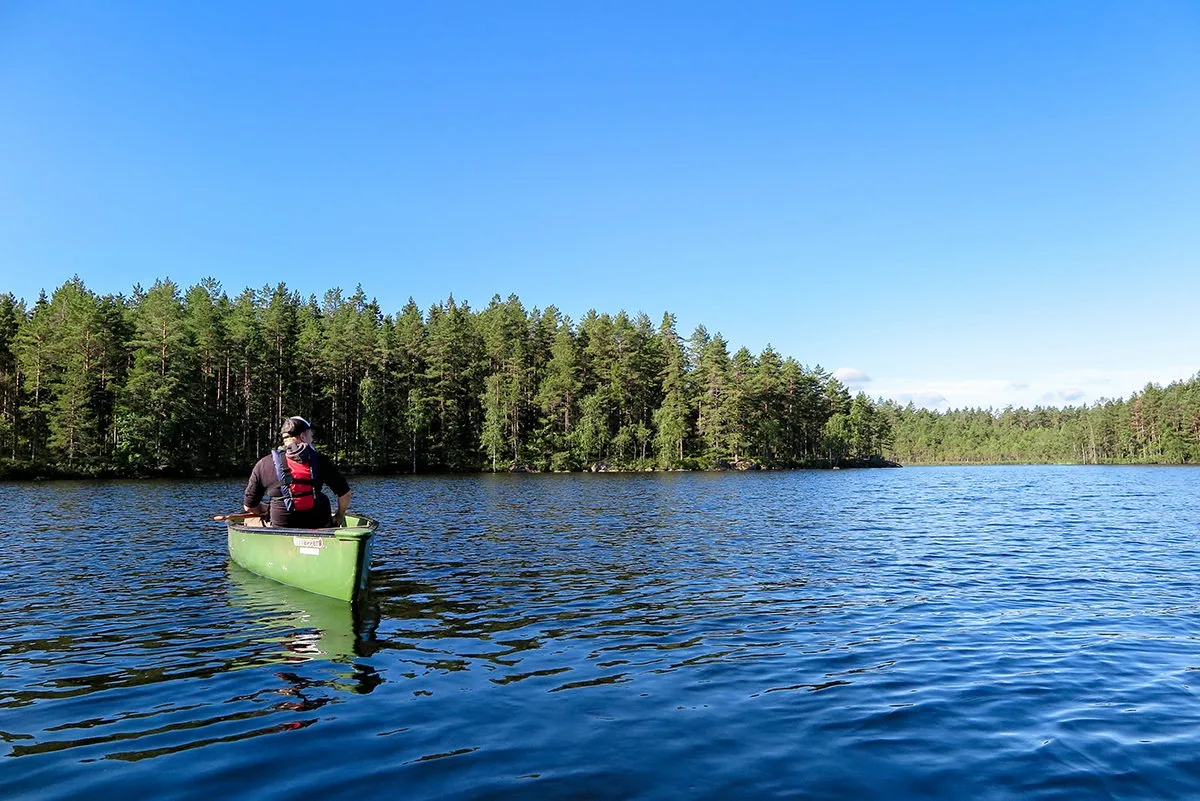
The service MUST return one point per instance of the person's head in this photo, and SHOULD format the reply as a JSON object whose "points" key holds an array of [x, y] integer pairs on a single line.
{"points": [[296, 429]]}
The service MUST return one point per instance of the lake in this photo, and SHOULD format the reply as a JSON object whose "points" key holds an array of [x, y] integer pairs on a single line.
{"points": [[954, 632]]}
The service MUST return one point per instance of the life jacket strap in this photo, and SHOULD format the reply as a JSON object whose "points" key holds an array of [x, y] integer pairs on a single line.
{"points": [[287, 495], [285, 480]]}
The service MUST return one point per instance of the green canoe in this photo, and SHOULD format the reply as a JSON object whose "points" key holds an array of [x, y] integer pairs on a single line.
{"points": [[328, 561]]}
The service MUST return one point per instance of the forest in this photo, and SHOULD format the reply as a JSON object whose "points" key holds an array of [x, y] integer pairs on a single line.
{"points": [[1158, 425], [173, 382], [195, 383]]}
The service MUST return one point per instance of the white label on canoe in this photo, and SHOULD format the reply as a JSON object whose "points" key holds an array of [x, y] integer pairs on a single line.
{"points": [[309, 545]]}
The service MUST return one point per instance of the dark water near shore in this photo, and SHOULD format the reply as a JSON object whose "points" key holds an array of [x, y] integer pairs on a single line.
{"points": [[1000, 632]]}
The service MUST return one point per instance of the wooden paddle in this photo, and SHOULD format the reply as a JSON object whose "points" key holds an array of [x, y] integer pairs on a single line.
{"points": [[238, 516]]}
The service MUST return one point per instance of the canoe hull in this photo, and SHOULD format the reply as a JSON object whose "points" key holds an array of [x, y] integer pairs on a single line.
{"points": [[334, 562]]}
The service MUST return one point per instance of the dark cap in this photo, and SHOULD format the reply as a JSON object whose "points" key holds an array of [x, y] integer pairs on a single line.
{"points": [[295, 426]]}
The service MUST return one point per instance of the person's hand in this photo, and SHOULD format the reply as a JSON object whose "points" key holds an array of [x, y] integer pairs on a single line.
{"points": [[339, 520]]}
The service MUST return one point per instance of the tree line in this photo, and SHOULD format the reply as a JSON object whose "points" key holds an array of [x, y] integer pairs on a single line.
{"points": [[166, 381], [173, 382], [1158, 425]]}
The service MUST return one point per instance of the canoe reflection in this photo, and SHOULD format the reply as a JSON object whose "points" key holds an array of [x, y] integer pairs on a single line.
{"points": [[304, 625]]}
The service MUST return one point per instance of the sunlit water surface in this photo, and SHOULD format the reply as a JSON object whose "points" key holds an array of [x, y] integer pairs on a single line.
{"points": [[884, 634]]}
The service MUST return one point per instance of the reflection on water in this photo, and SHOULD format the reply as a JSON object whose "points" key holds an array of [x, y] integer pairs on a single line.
{"points": [[981, 633], [302, 624]]}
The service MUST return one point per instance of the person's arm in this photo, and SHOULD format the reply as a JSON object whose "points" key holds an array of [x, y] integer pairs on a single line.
{"points": [[334, 479], [254, 492], [339, 517]]}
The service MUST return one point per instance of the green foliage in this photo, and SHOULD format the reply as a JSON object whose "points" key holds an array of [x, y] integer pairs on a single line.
{"points": [[12, 314], [195, 383], [1155, 426], [558, 397], [162, 374], [714, 400]]}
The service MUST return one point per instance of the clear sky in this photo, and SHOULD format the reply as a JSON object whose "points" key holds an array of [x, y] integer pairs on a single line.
{"points": [[960, 203]]}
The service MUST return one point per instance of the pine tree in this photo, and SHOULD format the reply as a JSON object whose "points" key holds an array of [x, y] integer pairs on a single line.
{"points": [[862, 427], [313, 377], [714, 399], [409, 369], [494, 414], [35, 358], [558, 398], [205, 309], [12, 315], [455, 364], [739, 403], [598, 407], [156, 413], [767, 408], [277, 324], [508, 400], [246, 392], [77, 348], [671, 418]]}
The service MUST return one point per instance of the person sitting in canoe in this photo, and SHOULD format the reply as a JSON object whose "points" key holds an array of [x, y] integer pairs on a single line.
{"points": [[291, 478]]}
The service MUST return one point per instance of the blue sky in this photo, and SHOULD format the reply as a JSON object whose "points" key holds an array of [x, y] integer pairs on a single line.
{"points": [[964, 204]]}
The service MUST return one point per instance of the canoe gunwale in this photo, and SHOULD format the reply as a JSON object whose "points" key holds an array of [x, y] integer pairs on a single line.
{"points": [[356, 531], [329, 531]]}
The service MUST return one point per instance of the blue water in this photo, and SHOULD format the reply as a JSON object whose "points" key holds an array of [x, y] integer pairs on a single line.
{"points": [[999, 632]]}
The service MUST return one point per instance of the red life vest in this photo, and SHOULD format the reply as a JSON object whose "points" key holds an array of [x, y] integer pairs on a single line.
{"points": [[297, 481], [303, 495]]}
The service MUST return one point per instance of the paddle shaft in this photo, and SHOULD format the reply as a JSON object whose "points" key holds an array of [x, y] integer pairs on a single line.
{"points": [[238, 516]]}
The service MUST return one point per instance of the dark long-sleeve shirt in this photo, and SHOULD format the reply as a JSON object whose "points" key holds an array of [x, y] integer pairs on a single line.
{"points": [[264, 482]]}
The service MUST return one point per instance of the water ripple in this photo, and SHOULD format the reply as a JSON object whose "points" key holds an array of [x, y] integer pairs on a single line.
{"points": [[923, 633]]}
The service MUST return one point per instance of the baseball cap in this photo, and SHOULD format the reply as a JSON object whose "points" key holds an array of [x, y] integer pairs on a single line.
{"points": [[295, 426]]}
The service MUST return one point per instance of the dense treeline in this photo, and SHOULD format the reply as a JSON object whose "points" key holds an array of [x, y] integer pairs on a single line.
{"points": [[1156, 426], [166, 381]]}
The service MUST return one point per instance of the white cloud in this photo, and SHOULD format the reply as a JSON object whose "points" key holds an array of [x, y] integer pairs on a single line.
{"points": [[1059, 397], [851, 376], [945, 394], [1068, 388], [925, 400]]}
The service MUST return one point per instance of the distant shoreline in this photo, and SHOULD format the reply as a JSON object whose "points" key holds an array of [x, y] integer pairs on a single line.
{"points": [[22, 476], [29, 475]]}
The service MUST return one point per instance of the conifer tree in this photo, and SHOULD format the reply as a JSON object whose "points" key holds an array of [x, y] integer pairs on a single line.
{"points": [[76, 349], [455, 359], [671, 418], [12, 315], [506, 333], [765, 416], [245, 389], [154, 405], [35, 359], [277, 322], [409, 369], [739, 403], [558, 398], [205, 310], [714, 400]]}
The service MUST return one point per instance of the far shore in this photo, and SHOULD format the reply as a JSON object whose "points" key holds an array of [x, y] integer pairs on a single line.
{"points": [[19, 473]]}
